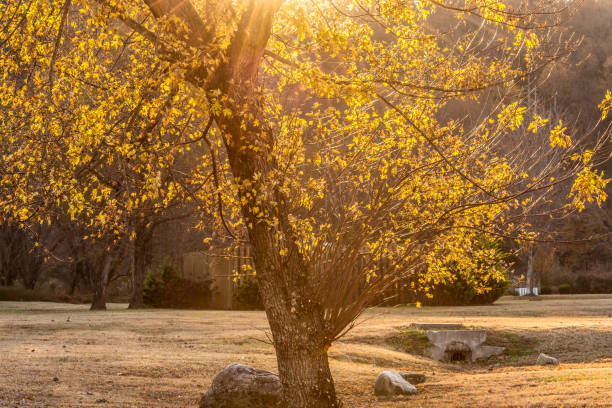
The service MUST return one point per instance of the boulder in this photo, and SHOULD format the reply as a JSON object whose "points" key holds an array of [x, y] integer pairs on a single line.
{"points": [[413, 378], [239, 386], [545, 359], [391, 383]]}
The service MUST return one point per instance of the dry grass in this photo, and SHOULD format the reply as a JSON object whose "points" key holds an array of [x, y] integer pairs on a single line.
{"points": [[162, 358]]}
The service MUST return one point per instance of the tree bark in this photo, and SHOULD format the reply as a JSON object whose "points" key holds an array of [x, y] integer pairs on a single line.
{"points": [[304, 372], [101, 283], [300, 343]]}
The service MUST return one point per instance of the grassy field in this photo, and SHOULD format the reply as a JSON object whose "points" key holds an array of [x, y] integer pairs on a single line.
{"points": [[60, 355]]}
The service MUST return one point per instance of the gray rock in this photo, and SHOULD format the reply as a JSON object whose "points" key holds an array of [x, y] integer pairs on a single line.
{"points": [[239, 386], [390, 383], [413, 378], [545, 359]]}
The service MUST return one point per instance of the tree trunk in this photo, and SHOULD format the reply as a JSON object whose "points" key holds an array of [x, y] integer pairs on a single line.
{"points": [[305, 376], [530, 277], [299, 337], [296, 321], [76, 277], [101, 282]]}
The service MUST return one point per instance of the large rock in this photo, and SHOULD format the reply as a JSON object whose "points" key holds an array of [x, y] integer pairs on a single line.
{"points": [[239, 386], [390, 383], [545, 359], [413, 378]]}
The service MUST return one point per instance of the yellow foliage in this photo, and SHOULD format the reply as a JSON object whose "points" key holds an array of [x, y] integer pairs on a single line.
{"points": [[606, 105], [588, 187], [558, 137]]}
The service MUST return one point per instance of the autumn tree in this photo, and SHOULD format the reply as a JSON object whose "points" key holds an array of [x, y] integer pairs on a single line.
{"points": [[328, 116], [96, 133]]}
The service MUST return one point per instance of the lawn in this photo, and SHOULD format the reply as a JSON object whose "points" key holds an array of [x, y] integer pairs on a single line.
{"points": [[61, 355]]}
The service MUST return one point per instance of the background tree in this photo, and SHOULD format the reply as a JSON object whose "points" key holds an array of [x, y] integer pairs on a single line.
{"points": [[20, 258], [99, 135]]}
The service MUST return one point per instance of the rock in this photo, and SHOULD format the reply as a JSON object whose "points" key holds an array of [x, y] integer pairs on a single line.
{"points": [[545, 359], [55, 379], [413, 378], [239, 386], [390, 383]]}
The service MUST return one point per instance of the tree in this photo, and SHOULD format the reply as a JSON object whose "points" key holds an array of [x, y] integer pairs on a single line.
{"points": [[20, 258], [99, 136], [328, 116]]}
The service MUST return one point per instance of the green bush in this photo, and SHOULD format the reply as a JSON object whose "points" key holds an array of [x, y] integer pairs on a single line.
{"points": [[546, 290], [565, 288], [165, 287], [246, 294]]}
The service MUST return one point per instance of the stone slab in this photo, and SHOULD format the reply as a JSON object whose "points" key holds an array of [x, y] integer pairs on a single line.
{"points": [[460, 345], [437, 326], [471, 338]]}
